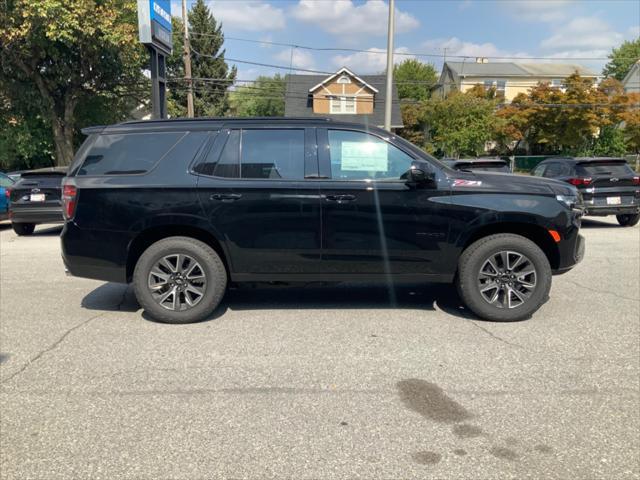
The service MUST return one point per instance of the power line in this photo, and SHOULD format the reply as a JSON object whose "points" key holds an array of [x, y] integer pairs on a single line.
{"points": [[407, 54]]}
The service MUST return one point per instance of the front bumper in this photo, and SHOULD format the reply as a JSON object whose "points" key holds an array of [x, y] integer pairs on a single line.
{"points": [[36, 215]]}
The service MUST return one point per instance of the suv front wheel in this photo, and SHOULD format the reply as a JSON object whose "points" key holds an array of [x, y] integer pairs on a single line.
{"points": [[504, 277], [179, 280]]}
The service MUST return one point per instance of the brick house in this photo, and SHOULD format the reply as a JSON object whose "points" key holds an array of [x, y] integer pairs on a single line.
{"points": [[343, 95]]}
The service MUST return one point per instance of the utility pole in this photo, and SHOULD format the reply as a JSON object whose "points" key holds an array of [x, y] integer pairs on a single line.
{"points": [[389, 91], [187, 60]]}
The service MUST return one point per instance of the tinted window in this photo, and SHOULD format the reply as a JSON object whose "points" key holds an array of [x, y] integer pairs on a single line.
{"points": [[616, 169], [127, 153], [361, 156], [275, 154], [539, 170], [226, 163], [5, 181], [557, 170]]}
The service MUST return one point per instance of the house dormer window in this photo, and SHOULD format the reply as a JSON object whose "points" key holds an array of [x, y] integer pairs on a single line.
{"points": [[342, 104], [344, 79]]}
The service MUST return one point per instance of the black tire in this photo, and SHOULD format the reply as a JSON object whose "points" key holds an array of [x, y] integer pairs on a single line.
{"points": [[628, 220], [23, 229], [212, 267], [476, 256]]}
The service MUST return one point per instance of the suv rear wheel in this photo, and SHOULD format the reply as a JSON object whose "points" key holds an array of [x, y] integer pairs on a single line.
{"points": [[628, 220], [23, 228], [504, 277], [179, 280]]}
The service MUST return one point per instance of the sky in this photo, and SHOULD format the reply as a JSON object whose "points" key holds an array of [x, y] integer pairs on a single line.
{"points": [[573, 31]]}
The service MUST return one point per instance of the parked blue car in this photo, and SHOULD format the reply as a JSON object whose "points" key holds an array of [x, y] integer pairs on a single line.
{"points": [[5, 185]]}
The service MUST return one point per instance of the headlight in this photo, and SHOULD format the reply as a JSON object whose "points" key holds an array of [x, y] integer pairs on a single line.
{"points": [[571, 201]]}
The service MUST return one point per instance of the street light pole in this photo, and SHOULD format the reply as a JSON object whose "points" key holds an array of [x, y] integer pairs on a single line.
{"points": [[389, 90], [187, 60]]}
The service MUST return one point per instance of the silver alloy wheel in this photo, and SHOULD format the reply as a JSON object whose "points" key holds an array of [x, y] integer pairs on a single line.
{"points": [[507, 279], [177, 282]]}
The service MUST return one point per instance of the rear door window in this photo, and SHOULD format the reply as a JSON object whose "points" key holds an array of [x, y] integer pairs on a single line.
{"points": [[272, 154], [127, 153], [615, 169]]}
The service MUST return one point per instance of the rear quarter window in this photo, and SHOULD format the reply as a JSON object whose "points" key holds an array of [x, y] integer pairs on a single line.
{"points": [[127, 153]]}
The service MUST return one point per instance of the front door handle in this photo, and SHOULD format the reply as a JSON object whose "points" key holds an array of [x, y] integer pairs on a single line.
{"points": [[340, 198], [226, 197]]}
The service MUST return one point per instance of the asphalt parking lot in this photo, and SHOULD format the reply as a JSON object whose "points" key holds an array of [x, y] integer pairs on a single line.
{"points": [[331, 382]]}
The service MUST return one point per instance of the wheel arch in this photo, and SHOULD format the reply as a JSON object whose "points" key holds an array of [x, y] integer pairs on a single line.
{"points": [[536, 233], [149, 236]]}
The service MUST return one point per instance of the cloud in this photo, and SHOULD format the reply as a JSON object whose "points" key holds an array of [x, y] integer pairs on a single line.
{"points": [[302, 59], [454, 47], [374, 60], [248, 15], [347, 19], [588, 33], [539, 10], [633, 33]]}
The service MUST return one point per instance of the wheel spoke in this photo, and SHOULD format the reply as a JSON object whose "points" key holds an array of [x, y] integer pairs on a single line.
{"points": [[499, 282], [177, 282]]}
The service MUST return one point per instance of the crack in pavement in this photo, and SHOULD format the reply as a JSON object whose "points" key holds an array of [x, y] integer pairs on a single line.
{"points": [[55, 344], [491, 334], [51, 347], [596, 290]]}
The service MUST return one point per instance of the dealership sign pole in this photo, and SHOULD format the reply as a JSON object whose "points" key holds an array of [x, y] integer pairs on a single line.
{"points": [[154, 26]]}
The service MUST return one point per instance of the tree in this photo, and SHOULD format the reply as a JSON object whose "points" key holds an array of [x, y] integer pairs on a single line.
{"points": [[262, 98], [414, 79], [211, 74], [460, 124], [621, 59], [59, 54]]}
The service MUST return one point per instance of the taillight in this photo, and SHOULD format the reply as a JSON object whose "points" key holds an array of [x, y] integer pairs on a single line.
{"points": [[579, 181], [636, 180], [7, 193], [69, 194]]}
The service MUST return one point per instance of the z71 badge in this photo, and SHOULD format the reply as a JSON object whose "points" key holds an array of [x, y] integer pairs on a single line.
{"points": [[466, 183]]}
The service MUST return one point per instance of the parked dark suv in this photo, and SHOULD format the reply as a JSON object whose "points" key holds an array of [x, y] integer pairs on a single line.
{"points": [[183, 207], [35, 199], [608, 185], [481, 164]]}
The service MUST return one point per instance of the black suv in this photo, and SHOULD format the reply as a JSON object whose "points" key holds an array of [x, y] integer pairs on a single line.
{"points": [[608, 185], [183, 207]]}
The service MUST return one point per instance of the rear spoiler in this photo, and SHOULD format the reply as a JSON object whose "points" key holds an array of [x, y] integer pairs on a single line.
{"points": [[40, 172], [91, 130]]}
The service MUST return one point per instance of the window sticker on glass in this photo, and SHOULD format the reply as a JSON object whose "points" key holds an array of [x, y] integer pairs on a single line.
{"points": [[364, 156]]}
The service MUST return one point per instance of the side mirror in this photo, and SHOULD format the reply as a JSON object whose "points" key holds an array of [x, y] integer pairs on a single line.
{"points": [[419, 178]]}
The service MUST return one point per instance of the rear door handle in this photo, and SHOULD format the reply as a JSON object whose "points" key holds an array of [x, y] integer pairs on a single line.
{"points": [[226, 197], [340, 198]]}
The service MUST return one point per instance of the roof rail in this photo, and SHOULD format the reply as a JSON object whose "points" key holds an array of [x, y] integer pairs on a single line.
{"points": [[230, 119]]}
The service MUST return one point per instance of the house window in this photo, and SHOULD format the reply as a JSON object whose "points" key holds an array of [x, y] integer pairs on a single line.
{"points": [[498, 85], [342, 105], [344, 79], [557, 83]]}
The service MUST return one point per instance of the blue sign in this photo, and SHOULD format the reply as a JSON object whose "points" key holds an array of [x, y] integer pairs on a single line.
{"points": [[160, 11]]}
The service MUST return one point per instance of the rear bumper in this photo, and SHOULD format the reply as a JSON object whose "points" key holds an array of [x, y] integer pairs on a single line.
{"points": [[100, 255], [611, 210], [36, 215]]}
